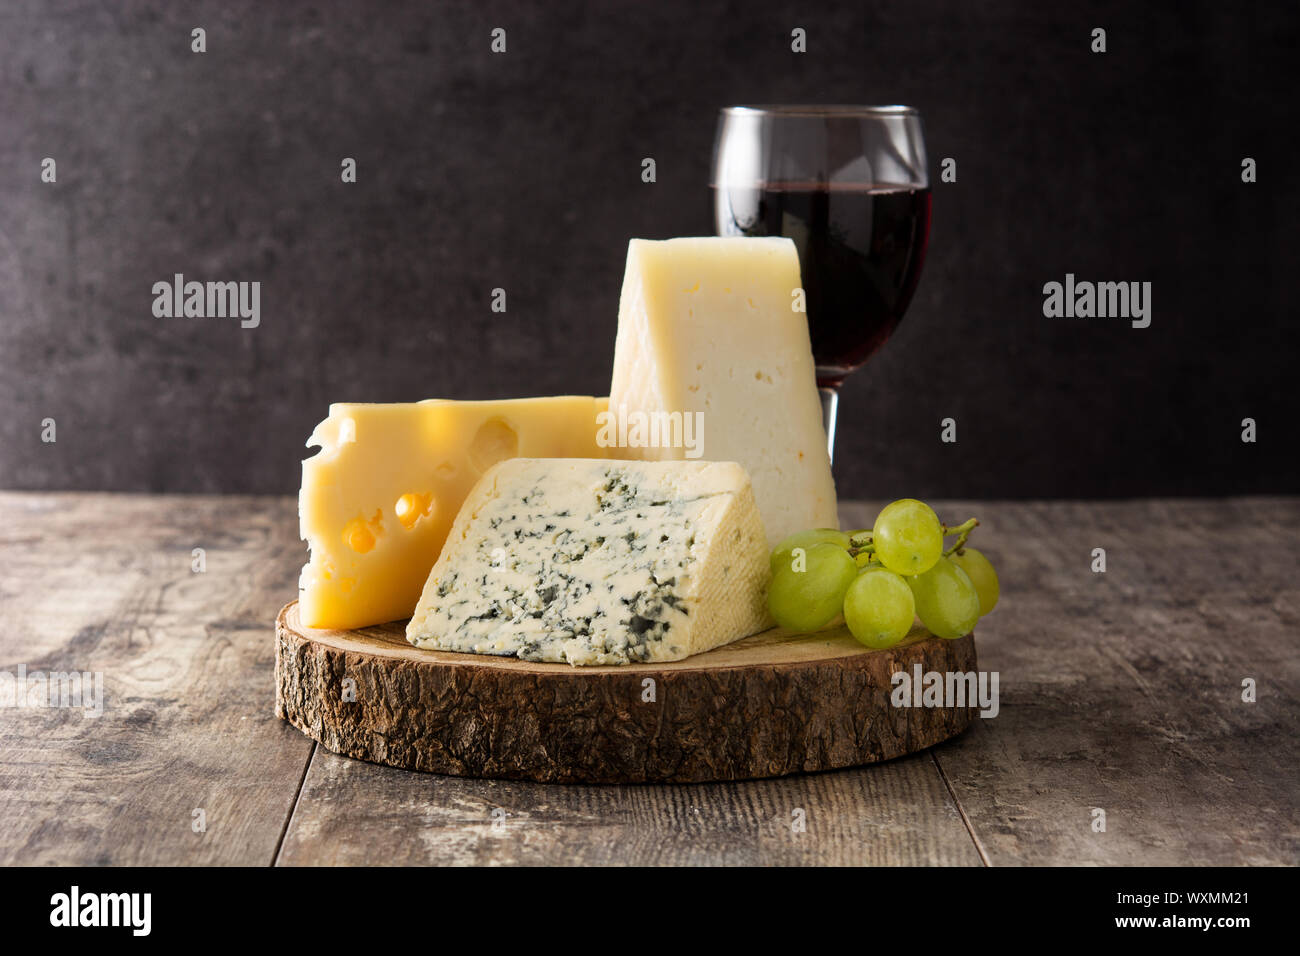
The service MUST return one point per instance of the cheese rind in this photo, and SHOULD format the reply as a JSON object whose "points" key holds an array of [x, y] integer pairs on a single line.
{"points": [[378, 498], [706, 325], [599, 562]]}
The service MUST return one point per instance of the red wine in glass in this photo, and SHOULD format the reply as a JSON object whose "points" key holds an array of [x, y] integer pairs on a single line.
{"points": [[861, 248], [848, 185]]}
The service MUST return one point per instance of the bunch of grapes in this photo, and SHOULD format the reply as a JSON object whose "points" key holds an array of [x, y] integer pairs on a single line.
{"points": [[883, 577]]}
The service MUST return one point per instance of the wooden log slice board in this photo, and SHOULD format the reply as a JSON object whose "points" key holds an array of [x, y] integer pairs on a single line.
{"points": [[771, 704]]}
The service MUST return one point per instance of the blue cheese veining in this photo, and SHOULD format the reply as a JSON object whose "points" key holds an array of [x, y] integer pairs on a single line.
{"points": [[598, 562]]}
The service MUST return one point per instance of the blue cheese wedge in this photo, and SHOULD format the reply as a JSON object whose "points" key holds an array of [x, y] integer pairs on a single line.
{"points": [[594, 562]]}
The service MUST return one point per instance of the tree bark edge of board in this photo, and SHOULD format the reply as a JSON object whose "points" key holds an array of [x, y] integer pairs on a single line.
{"points": [[564, 725]]}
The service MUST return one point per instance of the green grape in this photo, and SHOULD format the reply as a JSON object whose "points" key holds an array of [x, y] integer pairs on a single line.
{"points": [[980, 571], [810, 599], [867, 559], [879, 608], [908, 537], [806, 539], [946, 600]]}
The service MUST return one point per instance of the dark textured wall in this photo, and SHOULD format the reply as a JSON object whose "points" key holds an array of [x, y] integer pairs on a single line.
{"points": [[523, 171]]}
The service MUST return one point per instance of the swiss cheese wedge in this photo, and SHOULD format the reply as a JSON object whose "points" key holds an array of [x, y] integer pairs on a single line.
{"points": [[378, 498]]}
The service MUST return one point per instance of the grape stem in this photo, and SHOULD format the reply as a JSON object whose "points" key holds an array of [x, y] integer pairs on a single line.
{"points": [[860, 542], [962, 531]]}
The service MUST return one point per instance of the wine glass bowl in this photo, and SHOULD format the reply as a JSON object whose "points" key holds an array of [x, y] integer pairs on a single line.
{"points": [[848, 184]]}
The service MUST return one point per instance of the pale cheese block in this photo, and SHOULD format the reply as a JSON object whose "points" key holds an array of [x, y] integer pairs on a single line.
{"points": [[599, 562], [378, 498], [707, 328]]}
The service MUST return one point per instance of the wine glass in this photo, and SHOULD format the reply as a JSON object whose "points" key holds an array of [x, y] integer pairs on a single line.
{"points": [[848, 184]]}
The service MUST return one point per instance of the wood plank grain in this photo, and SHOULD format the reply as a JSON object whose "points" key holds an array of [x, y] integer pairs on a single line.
{"points": [[1122, 691], [892, 813], [105, 583], [1119, 691]]}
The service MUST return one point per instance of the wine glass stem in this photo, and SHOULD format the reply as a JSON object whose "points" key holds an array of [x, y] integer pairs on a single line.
{"points": [[830, 403]]}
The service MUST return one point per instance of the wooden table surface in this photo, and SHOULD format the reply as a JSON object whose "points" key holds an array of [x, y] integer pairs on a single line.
{"points": [[1119, 692]]}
